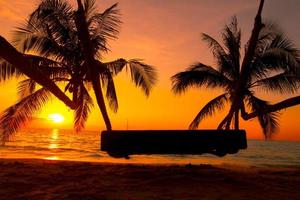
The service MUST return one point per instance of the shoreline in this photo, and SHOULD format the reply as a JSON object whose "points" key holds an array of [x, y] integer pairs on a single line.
{"points": [[135, 161], [52, 179], [219, 165]]}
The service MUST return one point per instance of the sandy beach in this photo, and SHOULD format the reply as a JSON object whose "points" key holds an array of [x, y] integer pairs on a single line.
{"points": [[43, 179]]}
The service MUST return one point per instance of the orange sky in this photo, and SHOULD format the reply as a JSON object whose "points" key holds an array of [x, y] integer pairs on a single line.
{"points": [[167, 35]]}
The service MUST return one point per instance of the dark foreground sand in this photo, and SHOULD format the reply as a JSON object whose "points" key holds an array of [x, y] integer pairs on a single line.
{"points": [[40, 179]]}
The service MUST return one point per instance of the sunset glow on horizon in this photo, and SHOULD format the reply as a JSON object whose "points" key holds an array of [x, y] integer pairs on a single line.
{"points": [[150, 99], [56, 118], [170, 40]]}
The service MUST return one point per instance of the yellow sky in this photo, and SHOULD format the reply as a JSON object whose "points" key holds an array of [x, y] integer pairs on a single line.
{"points": [[167, 35]]}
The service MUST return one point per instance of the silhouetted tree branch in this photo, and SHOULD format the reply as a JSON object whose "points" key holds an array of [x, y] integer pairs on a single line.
{"points": [[273, 108], [23, 63]]}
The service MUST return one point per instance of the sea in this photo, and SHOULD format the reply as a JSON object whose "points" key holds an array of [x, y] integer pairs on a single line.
{"points": [[57, 144]]}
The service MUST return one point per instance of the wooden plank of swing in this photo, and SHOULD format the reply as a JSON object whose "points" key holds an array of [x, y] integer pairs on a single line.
{"points": [[121, 143]]}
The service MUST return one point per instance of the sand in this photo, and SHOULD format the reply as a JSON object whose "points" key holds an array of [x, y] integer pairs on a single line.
{"points": [[42, 179]]}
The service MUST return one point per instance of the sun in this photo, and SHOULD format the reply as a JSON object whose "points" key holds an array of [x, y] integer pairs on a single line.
{"points": [[56, 118]]}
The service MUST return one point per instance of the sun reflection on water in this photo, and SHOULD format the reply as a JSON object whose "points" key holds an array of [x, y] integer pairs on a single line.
{"points": [[54, 134], [52, 158], [53, 144]]}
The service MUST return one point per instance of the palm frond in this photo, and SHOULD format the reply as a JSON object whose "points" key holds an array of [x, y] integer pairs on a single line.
{"points": [[278, 54], [255, 103], [17, 115], [89, 8], [199, 75], [142, 74], [214, 45], [266, 35], [50, 68], [84, 106], [26, 87], [223, 62], [107, 23], [44, 42], [282, 54], [232, 40], [28, 37], [104, 26], [111, 95], [49, 31], [115, 67], [257, 70], [58, 44], [283, 83], [100, 45], [268, 121], [7, 71], [209, 109], [50, 11]]}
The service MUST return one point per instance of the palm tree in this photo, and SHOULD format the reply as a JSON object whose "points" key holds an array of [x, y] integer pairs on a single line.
{"points": [[51, 32], [273, 67]]}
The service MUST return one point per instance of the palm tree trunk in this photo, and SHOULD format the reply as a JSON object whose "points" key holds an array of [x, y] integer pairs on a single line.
{"points": [[227, 120], [221, 125], [100, 100], [23, 64], [248, 58], [228, 123], [236, 120], [253, 41], [84, 37]]}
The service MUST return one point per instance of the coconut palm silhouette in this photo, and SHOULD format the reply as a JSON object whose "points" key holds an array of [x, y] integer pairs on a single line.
{"points": [[68, 46], [273, 67]]}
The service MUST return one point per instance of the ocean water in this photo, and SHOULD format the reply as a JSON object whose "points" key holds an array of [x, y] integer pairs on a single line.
{"points": [[58, 144]]}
